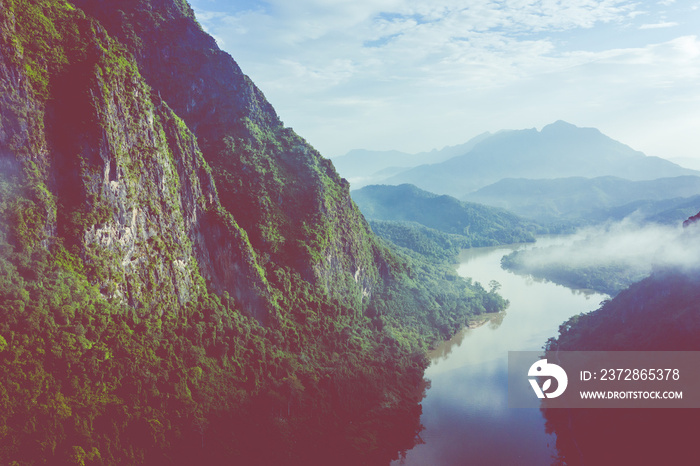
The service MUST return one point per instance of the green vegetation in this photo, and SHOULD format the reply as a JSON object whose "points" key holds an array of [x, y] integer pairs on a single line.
{"points": [[659, 313], [433, 244], [430, 300], [165, 305], [478, 224], [202, 383], [604, 277]]}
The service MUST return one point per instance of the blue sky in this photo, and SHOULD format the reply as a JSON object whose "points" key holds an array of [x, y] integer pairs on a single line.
{"points": [[416, 75]]}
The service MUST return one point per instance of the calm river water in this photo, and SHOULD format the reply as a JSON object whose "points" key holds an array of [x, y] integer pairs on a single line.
{"points": [[465, 412]]}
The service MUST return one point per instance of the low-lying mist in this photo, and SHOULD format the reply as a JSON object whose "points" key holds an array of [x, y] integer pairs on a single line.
{"points": [[627, 242], [612, 256]]}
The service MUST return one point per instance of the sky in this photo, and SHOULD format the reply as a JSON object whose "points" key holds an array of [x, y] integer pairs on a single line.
{"points": [[414, 75]]}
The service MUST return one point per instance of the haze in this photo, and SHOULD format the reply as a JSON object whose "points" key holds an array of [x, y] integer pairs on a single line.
{"points": [[626, 243], [413, 76]]}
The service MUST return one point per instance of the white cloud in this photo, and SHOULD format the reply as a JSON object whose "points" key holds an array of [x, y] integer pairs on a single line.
{"points": [[413, 75], [665, 24]]}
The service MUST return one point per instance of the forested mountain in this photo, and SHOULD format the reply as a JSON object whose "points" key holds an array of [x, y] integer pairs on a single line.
{"points": [[288, 199], [559, 150], [659, 313], [429, 242], [362, 167], [590, 199], [480, 225], [185, 280]]}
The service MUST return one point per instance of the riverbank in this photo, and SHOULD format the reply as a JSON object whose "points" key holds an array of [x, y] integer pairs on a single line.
{"points": [[465, 411]]}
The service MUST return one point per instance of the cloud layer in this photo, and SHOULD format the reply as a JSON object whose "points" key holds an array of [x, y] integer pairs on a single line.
{"points": [[413, 75]]}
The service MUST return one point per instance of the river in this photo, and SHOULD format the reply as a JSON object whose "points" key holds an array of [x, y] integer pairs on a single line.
{"points": [[465, 412]]}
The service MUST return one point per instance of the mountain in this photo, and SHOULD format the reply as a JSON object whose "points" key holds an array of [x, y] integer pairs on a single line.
{"points": [[687, 162], [659, 313], [481, 225], [559, 150], [362, 167], [666, 211], [586, 199], [286, 197], [183, 279]]}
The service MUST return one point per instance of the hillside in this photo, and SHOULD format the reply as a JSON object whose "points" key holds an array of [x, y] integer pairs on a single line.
{"points": [[586, 199], [659, 313], [185, 280], [559, 150], [436, 245], [280, 190], [479, 224]]}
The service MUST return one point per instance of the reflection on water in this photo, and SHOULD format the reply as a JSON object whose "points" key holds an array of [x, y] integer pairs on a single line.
{"points": [[444, 349], [465, 412]]}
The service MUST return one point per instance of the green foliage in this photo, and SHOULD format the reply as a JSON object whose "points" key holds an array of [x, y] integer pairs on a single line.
{"points": [[85, 380], [24, 208], [659, 313], [609, 278], [481, 225], [428, 242], [45, 26], [429, 300]]}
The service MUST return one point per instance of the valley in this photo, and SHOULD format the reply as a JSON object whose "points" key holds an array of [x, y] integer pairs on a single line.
{"points": [[185, 279]]}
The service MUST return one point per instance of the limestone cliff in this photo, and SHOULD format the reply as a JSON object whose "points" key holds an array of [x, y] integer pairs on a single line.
{"points": [[289, 199], [145, 150], [109, 169]]}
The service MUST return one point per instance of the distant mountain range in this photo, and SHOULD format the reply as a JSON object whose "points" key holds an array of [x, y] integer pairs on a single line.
{"points": [[362, 167], [593, 199], [562, 175], [559, 150]]}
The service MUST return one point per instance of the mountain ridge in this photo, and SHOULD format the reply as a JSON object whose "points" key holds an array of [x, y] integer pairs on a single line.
{"points": [[363, 167], [559, 150], [479, 224], [581, 199]]}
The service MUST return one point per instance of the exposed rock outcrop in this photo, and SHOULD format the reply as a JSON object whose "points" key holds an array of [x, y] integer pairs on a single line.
{"points": [[290, 200], [118, 177], [109, 146]]}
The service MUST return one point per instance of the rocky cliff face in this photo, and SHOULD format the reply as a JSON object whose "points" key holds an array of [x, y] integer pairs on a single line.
{"points": [[167, 168], [111, 170], [289, 199]]}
